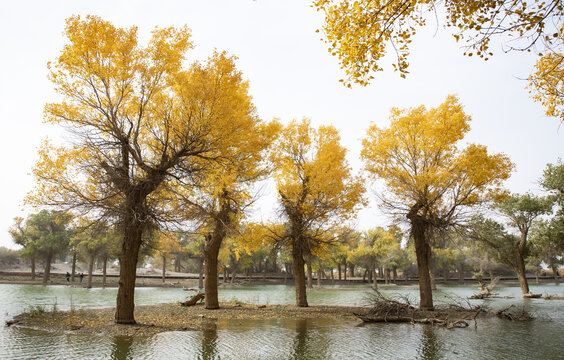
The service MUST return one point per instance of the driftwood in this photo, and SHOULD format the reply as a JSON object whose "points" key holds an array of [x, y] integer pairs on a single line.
{"points": [[449, 324], [401, 311], [199, 297], [513, 313], [532, 296], [485, 290]]}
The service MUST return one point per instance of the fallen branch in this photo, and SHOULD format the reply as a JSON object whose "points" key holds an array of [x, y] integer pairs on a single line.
{"points": [[194, 299]]}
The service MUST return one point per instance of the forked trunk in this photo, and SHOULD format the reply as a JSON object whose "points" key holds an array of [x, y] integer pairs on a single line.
{"points": [[299, 276]]}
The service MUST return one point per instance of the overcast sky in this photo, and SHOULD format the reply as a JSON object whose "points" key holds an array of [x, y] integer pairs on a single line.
{"points": [[291, 75]]}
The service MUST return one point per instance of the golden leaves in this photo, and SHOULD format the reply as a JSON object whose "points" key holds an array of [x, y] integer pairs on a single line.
{"points": [[419, 159], [362, 32]]}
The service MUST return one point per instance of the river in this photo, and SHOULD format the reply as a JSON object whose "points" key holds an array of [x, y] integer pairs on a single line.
{"points": [[289, 339]]}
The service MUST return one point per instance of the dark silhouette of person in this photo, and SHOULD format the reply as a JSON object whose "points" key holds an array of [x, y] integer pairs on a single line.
{"points": [[81, 277], [67, 276]]}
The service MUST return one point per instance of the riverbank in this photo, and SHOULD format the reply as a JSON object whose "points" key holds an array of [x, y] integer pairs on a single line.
{"points": [[170, 317]]}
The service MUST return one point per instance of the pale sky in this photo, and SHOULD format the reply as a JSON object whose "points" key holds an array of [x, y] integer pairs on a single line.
{"points": [[291, 75]]}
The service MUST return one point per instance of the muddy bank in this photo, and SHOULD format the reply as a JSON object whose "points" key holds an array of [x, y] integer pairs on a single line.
{"points": [[169, 317]]}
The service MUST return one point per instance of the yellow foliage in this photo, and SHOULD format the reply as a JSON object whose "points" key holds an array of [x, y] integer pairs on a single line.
{"points": [[360, 32], [313, 178], [547, 84], [421, 164]]}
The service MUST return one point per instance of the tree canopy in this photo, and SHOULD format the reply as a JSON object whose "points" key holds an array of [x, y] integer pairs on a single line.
{"points": [[361, 32]]}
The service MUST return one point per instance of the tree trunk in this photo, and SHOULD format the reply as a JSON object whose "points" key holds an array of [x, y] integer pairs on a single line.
{"points": [[370, 273], [309, 273], [104, 271], [339, 270], [129, 256], [47, 272], [387, 276], [554, 272], [164, 268], [374, 279], [201, 274], [395, 275], [73, 269], [33, 267], [537, 276], [461, 273], [422, 252], [345, 272], [299, 276], [211, 251], [319, 273], [90, 270], [521, 273], [233, 275], [351, 267], [431, 262]]}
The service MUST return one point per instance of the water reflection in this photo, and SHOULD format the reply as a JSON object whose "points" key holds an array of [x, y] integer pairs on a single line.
{"points": [[301, 340], [122, 347], [430, 347], [285, 338], [208, 350]]}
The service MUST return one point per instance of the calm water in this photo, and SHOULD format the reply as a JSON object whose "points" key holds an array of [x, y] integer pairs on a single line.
{"points": [[288, 339]]}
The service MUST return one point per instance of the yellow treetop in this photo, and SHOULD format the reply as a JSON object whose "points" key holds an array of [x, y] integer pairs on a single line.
{"points": [[419, 159], [313, 177]]}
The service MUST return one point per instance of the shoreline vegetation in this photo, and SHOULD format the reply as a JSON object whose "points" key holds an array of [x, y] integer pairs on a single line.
{"points": [[154, 319]]}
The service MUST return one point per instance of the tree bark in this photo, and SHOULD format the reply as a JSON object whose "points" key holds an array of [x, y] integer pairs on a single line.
{"points": [[345, 272], [554, 272], [319, 272], [351, 267], [90, 270], [129, 256], [299, 276], [33, 267], [73, 269], [339, 270], [47, 272], [374, 279], [309, 273], [211, 251], [520, 270], [104, 271], [422, 252], [201, 274]]}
